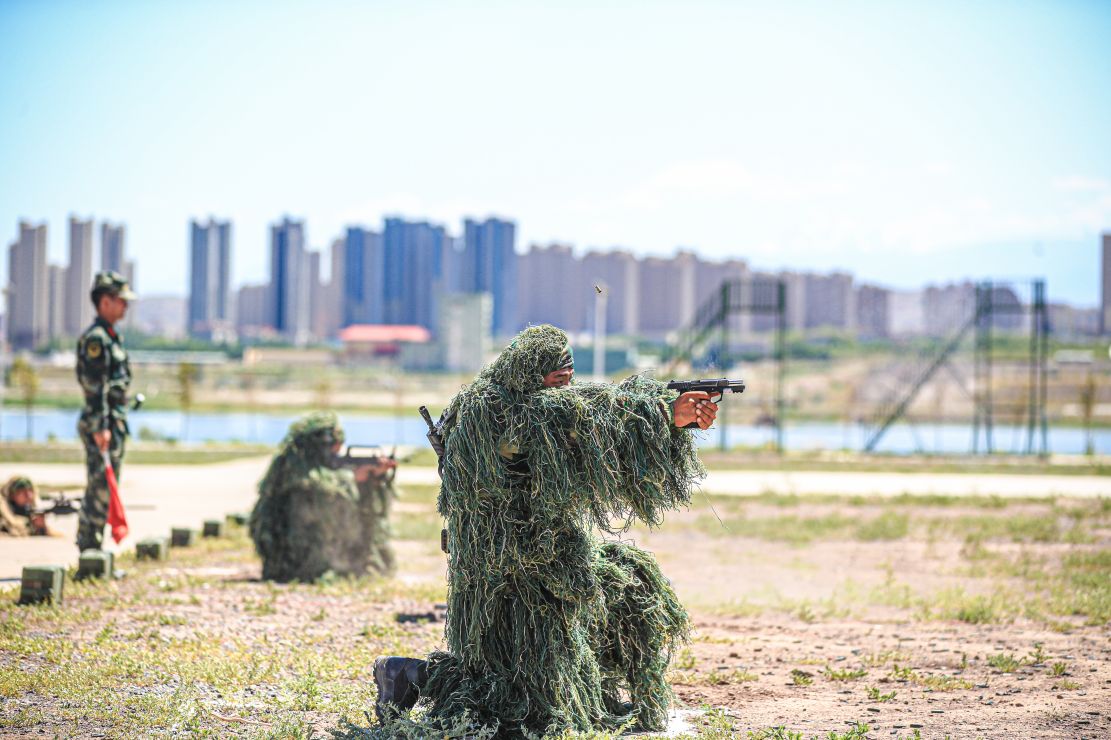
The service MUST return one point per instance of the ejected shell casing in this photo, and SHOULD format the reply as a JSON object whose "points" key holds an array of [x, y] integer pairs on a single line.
{"points": [[95, 564], [42, 583], [182, 537], [152, 548]]}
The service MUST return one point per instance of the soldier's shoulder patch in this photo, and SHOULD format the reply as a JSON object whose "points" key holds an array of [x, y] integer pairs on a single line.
{"points": [[93, 348]]}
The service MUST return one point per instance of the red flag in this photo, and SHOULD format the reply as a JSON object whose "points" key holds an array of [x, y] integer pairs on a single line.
{"points": [[116, 518]]}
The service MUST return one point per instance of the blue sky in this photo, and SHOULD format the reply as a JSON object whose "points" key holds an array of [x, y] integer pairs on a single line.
{"points": [[903, 141]]}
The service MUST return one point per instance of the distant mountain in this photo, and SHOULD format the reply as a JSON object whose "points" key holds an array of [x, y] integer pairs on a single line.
{"points": [[161, 315]]}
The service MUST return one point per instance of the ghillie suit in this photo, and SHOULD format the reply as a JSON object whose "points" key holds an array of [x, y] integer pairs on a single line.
{"points": [[548, 628], [376, 497], [312, 518]]}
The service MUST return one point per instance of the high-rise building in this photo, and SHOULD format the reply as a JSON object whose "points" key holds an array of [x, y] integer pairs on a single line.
{"points": [[947, 308], [872, 311], [489, 265], [668, 287], [112, 248], [28, 288], [333, 301], [464, 335], [451, 265], [618, 273], [209, 278], [113, 255], [550, 288], [906, 313], [79, 277], [362, 271], [318, 309], [412, 262], [56, 301], [709, 278], [1105, 297], [830, 301], [794, 309], [764, 292], [253, 310], [290, 293]]}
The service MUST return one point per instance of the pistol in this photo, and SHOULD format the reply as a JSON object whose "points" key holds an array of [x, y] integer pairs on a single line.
{"points": [[714, 386]]}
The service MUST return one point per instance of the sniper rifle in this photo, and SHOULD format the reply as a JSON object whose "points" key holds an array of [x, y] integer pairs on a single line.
{"points": [[61, 505]]}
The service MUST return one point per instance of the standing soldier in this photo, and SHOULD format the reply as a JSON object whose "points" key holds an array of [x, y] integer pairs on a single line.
{"points": [[104, 373]]}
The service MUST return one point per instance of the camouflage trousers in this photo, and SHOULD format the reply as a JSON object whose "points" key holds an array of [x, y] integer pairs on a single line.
{"points": [[94, 509]]}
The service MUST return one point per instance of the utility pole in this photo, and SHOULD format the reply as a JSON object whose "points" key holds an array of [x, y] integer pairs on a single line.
{"points": [[601, 293]]}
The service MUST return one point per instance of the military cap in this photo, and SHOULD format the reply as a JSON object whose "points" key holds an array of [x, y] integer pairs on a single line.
{"points": [[109, 281]]}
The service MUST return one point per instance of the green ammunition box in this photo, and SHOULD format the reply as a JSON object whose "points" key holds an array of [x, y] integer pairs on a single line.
{"points": [[182, 537], [153, 548], [213, 528], [95, 564], [42, 583], [239, 519]]}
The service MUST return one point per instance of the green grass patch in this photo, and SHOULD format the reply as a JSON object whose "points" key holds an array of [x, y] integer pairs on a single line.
{"points": [[1005, 662], [878, 696], [844, 674], [801, 678], [858, 731], [154, 634], [137, 453]]}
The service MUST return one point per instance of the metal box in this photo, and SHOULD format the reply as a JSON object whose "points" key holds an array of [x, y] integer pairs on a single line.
{"points": [[95, 564], [153, 548], [42, 583], [181, 537], [213, 528]]}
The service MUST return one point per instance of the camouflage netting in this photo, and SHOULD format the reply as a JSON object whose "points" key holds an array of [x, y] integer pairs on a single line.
{"points": [[549, 629], [312, 518]]}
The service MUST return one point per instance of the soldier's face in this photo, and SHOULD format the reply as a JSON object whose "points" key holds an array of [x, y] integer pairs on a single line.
{"points": [[22, 497], [559, 378], [112, 308]]}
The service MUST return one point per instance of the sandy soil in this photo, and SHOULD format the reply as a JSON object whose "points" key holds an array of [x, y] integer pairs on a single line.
{"points": [[1027, 703], [782, 621]]}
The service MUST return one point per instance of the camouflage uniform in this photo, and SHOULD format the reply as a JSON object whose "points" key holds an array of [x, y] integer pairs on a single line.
{"points": [[104, 372], [376, 497]]}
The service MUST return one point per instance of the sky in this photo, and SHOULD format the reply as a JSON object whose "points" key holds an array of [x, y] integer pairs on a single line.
{"points": [[903, 141]]}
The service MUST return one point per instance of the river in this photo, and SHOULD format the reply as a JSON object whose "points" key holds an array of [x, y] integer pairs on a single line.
{"points": [[60, 424]]}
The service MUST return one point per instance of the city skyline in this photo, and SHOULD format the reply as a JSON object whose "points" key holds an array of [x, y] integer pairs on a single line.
{"points": [[410, 270], [1006, 267], [902, 143]]}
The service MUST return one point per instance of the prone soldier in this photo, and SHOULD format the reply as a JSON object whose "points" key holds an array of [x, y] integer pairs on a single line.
{"points": [[19, 514], [104, 372]]}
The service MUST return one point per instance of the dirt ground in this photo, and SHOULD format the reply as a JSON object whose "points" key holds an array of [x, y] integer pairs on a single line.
{"points": [[960, 617]]}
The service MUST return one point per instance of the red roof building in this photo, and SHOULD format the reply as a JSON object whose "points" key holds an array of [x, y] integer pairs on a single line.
{"points": [[381, 340]]}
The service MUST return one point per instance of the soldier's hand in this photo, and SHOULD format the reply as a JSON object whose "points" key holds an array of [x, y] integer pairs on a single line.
{"points": [[103, 438], [38, 524], [379, 469], [696, 407]]}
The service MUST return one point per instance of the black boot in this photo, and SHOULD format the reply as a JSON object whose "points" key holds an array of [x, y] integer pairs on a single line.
{"points": [[399, 682]]}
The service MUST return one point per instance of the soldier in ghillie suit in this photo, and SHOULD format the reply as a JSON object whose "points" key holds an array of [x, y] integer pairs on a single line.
{"points": [[104, 372], [18, 502], [549, 627], [313, 517]]}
